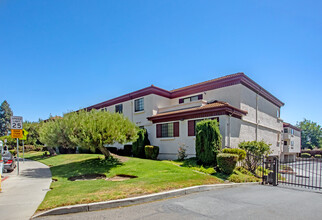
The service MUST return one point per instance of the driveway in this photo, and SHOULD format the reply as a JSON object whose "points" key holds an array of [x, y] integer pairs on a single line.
{"points": [[243, 202], [21, 195]]}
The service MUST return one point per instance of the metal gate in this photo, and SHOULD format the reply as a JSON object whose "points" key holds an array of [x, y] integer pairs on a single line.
{"points": [[302, 172]]}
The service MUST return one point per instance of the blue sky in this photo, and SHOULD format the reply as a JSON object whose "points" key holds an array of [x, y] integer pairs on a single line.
{"points": [[58, 56]]}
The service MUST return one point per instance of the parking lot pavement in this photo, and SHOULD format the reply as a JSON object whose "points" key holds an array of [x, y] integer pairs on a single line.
{"points": [[244, 202], [21, 195]]}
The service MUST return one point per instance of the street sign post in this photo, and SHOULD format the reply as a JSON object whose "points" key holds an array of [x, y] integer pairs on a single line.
{"points": [[16, 132], [16, 122]]}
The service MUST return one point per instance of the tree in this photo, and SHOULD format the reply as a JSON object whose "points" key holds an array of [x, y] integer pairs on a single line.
{"points": [[33, 133], [91, 130], [138, 147], [311, 134], [208, 141], [255, 150], [5, 114]]}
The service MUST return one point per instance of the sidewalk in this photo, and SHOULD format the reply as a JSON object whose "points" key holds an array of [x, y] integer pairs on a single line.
{"points": [[21, 195]]}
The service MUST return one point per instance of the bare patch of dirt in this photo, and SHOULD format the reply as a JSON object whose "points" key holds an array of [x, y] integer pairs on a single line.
{"points": [[121, 177], [120, 158], [91, 176]]}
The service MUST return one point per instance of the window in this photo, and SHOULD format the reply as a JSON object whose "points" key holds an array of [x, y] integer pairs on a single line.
{"points": [[285, 130], [168, 130], [292, 131], [139, 105], [119, 108], [285, 142], [190, 99], [292, 143], [278, 113]]}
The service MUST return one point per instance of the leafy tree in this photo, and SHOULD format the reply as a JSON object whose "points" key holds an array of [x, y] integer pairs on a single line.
{"points": [[33, 132], [255, 150], [5, 114], [311, 134], [91, 130], [138, 147], [208, 141], [98, 128]]}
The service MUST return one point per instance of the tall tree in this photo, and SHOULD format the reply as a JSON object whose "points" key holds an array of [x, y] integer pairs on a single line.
{"points": [[311, 134], [5, 114], [91, 130]]}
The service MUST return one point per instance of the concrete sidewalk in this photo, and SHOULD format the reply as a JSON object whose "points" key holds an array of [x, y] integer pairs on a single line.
{"points": [[21, 195]]}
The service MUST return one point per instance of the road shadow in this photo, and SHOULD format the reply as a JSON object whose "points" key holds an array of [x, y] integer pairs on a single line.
{"points": [[36, 173]]}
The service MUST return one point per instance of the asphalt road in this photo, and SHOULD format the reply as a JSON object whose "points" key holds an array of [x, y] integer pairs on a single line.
{"points": [[243, 202]]}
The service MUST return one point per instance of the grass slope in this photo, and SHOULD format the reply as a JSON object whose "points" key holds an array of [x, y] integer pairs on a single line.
{"points": [[153, 176]]}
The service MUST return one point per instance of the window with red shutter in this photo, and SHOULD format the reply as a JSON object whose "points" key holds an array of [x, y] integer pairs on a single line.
{"points": [[176, 129], [191, 128]]}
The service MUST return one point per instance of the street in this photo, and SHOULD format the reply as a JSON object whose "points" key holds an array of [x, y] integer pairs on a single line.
{"points": [[243, 202]]}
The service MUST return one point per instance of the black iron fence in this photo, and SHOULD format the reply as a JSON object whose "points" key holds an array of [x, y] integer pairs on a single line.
{"points": [[302, 172]]}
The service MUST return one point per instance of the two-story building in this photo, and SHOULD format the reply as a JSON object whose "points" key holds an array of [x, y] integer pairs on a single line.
{"points": [[291, 142], [244, 109]]}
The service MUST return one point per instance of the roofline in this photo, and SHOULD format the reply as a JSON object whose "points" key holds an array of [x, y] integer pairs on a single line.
{"points": [[229, 80], [288, 125], [199, 113]]}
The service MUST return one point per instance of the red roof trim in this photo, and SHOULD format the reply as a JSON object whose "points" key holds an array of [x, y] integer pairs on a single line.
{"points": [[288, 125], [199, 113], [133, 95], [229, 80]]}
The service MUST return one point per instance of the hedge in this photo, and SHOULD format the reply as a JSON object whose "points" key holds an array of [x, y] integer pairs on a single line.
{"points": [[208, 141], [318, 156], [227, 162], [151, 152], [241, 153], [138, 147], [305, 155]]}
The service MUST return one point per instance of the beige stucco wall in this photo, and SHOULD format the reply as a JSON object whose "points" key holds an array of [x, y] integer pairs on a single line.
{"points": [[269, 125]]}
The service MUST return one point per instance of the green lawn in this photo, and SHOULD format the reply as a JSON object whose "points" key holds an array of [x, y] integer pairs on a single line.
{"points": [[240, 175], [153, 176]]}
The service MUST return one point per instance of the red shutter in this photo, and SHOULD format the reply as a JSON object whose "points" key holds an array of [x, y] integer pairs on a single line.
{"points": [[199, 96], [191, 128], [159, 132], [180, 101], [176, 129]]}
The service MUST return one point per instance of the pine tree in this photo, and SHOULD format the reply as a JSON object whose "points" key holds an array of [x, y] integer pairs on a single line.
{"points": [[5, 114]]}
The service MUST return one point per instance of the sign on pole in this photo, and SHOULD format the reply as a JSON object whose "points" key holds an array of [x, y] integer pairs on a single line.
{"points": [[24, 134], [16, 133], [16, 122]]}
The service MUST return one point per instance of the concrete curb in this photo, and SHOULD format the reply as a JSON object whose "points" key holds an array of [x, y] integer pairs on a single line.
{"points": [[135, 200]]}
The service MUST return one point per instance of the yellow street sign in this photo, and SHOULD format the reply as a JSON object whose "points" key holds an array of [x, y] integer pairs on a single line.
{"points": [[24, 134], [16, 133]]}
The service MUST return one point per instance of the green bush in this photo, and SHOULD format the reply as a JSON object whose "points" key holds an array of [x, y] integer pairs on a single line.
{"points": [[241, 153], [305, 155], [151, 152], [317, 156], [208, 141], [255, 150], [227, 162], [138, 147]]}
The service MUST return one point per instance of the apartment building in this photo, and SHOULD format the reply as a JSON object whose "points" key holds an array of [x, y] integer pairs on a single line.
{"points": [[291, 142], [245, 112]]}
